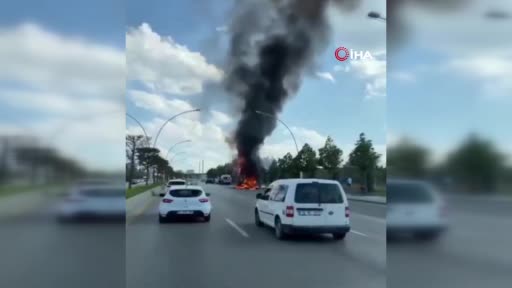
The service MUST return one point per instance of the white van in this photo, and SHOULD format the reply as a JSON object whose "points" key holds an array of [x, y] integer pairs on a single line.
{"points": [[225, 179], [312, 206]]}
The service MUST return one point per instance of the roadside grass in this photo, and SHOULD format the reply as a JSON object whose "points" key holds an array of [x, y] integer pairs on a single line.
{"points": [[140, 189], [7, 190]]}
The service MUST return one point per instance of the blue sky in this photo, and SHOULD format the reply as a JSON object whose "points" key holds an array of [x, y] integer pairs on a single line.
{"points": [[321, 107]]}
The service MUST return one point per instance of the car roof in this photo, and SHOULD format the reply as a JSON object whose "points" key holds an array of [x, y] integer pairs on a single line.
{"points": [[192, 187], [176, 180], [305, 180]]}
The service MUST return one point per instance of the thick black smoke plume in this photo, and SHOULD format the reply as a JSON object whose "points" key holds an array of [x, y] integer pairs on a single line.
{"points": [[272, 44]]}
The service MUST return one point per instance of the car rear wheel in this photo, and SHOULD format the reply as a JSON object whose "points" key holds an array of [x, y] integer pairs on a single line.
{"points": [[257, 219], [207, 218], [339, 236], [161, 219], [278, 229]]}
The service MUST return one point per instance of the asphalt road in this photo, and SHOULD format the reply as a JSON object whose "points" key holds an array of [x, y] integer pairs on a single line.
{"points": [[36, 251], [475, 251], [231, 251]]}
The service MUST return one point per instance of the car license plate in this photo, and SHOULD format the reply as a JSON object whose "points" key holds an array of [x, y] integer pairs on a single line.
{"points": [[185, 212], [310, 213]]}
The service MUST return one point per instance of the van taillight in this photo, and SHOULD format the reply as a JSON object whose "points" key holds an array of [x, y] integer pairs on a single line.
{"points": [[165, 200], [347, 212], [289, 211]]}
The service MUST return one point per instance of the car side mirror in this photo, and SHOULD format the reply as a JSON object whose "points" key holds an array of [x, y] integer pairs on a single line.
{"points": [[207, 194]]}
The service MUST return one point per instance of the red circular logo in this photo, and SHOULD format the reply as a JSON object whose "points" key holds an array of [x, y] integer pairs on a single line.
{"points": [[337, 54]]}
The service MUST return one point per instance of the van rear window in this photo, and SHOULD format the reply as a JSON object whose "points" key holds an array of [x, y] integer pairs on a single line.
{"points": [[318, 193]]}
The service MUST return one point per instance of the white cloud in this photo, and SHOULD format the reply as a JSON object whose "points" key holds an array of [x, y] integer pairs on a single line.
{"points": [[158, 104], [373, 71], [325, 75], [41, 59], [280, 142], [163, 65], [493, 72], [207, 142]]}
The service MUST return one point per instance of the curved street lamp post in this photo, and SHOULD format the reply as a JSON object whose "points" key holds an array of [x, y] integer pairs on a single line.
{"points": [[291, 133]]}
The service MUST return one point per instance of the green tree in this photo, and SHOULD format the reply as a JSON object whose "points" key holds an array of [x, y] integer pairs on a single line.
{"points": [[305, 161], [365, 158], [132, 143], [146, 157], [407, 159], [477, 164], [330, 157], [285, 165]]}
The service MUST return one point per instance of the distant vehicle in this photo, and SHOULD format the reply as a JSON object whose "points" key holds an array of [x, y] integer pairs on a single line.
{"points": [[172, 183], [93, 202], [225, 179], [186, 201], [414, 208], [210, 181], [311, 206]]}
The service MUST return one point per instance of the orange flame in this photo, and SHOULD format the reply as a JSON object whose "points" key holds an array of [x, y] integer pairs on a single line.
{"points": [[250, 183]]}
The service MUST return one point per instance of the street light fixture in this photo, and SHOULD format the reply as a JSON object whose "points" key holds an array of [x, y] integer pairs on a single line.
{"points": [[140, 125], [179, 153], [168, 120], [181, 142], [376, 15], [291, 133]]}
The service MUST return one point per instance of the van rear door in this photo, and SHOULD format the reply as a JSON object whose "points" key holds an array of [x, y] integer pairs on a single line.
{"points": [[331, 197], [309, 211]]}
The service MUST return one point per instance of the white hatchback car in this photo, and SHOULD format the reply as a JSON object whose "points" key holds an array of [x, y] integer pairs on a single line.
{"points": [[88, 201], [185, 201], [312, 206], [414, 208]]}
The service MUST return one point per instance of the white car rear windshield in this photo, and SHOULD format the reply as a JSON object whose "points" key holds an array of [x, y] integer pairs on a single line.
{"points": [[408, 193], [308, 193], [185, 193]]}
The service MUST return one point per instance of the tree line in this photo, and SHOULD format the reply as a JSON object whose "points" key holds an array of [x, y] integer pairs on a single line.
{"points": [[474, 165], [326, 163], [140, 154]]}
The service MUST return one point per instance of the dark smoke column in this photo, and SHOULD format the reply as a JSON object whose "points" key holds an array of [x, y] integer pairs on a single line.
{"points": [[272, 44]]}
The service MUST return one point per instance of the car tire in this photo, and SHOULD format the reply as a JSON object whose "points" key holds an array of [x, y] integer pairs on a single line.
{"points": [[278, 229], [257, 219], [161, 219], [207, 218], [339, 236]]}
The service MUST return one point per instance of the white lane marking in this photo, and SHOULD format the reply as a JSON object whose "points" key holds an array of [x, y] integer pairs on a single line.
{"points": [[233, 224], [358, 233], [376, 219]]}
